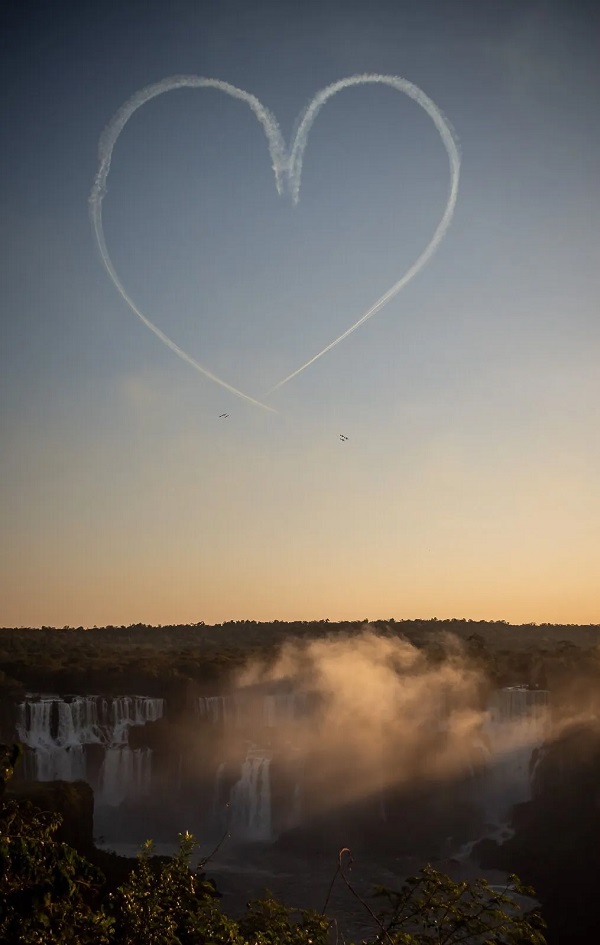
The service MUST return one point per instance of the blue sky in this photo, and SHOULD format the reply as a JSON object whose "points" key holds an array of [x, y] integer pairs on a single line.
{"points": [[468, 484]]}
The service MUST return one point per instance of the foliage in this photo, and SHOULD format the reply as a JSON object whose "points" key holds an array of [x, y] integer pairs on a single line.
{"points": [[175, 905], [431, 908], [269, 922], [9, 756], [155, 659], [171, 904], [47, 891]]}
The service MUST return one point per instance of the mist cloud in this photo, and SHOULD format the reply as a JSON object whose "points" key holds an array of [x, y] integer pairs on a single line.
{"points": [[383, 713]]}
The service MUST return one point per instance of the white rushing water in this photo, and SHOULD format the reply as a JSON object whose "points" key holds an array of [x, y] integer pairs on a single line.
{"points": [[240, 709], [125, 773], [250, 799], [87, 737], [58, 731], [516, 725]]}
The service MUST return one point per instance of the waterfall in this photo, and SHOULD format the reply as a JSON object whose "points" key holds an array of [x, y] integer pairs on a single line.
{"points": [[281, 708], [212, 708], [132, 710], [218, 792], [295, 817], [250, 799], [125, 773], [515, 727], [515, 703], [264, 709], [58, 731]]}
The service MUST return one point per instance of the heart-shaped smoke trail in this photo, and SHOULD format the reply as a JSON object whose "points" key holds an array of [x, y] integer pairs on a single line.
{"points": [[108, 141], [287, 164], [295, 174]]}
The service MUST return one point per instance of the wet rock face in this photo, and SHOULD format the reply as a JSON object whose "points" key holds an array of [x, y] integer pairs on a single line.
{"points": [[576, 752], [556, 846]]}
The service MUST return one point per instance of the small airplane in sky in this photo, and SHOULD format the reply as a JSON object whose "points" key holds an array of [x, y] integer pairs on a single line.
{"points": [[343, 438], [223, 415]]}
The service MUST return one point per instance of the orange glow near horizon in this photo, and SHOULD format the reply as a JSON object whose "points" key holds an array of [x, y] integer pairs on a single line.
{"points": [[305, 531]]}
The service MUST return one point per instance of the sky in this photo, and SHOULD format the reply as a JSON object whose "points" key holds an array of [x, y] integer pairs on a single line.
{"points": [[468, 486]]}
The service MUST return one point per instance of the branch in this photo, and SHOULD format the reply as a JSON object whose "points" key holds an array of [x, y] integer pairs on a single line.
{"points": [[356, 895]]}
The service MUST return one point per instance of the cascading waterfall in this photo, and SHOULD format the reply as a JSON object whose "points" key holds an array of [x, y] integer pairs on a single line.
{"points": [[250, 799], [256, 716], [283, 708], [49, 728], [59, 730], [218, 801], [237, 709], [87, 737], [125, 773], [126, 711], [515, 727], [212, 708]]}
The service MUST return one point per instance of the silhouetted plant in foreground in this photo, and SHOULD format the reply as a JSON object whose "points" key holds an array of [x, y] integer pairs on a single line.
{"points": [[431, 908], [48, 892], [168, 904], [9, 756]]}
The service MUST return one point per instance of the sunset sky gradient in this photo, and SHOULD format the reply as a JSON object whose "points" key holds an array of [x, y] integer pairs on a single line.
{"points": [[468, 486]]}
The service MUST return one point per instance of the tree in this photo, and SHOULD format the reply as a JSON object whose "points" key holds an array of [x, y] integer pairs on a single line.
{"points": [[169, 903], [431, 909], [47, 891]]}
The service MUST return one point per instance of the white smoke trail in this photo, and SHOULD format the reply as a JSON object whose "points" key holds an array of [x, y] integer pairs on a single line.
{"points": [[295, 173], [286, 163], [108, 141]]}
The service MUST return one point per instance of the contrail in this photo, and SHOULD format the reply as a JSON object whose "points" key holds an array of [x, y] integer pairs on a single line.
{"points": [[295, 174], [107, 143], [287, 167]]}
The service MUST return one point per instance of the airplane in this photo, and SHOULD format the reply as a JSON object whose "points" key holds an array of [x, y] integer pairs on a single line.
{"points": [[223, 415], [343, 438]]}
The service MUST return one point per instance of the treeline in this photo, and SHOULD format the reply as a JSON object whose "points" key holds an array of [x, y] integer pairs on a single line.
{"points": [[181, 658], [291, 626]]}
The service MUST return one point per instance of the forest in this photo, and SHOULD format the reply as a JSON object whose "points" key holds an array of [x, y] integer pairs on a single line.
{"points": [[157, 659]]}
